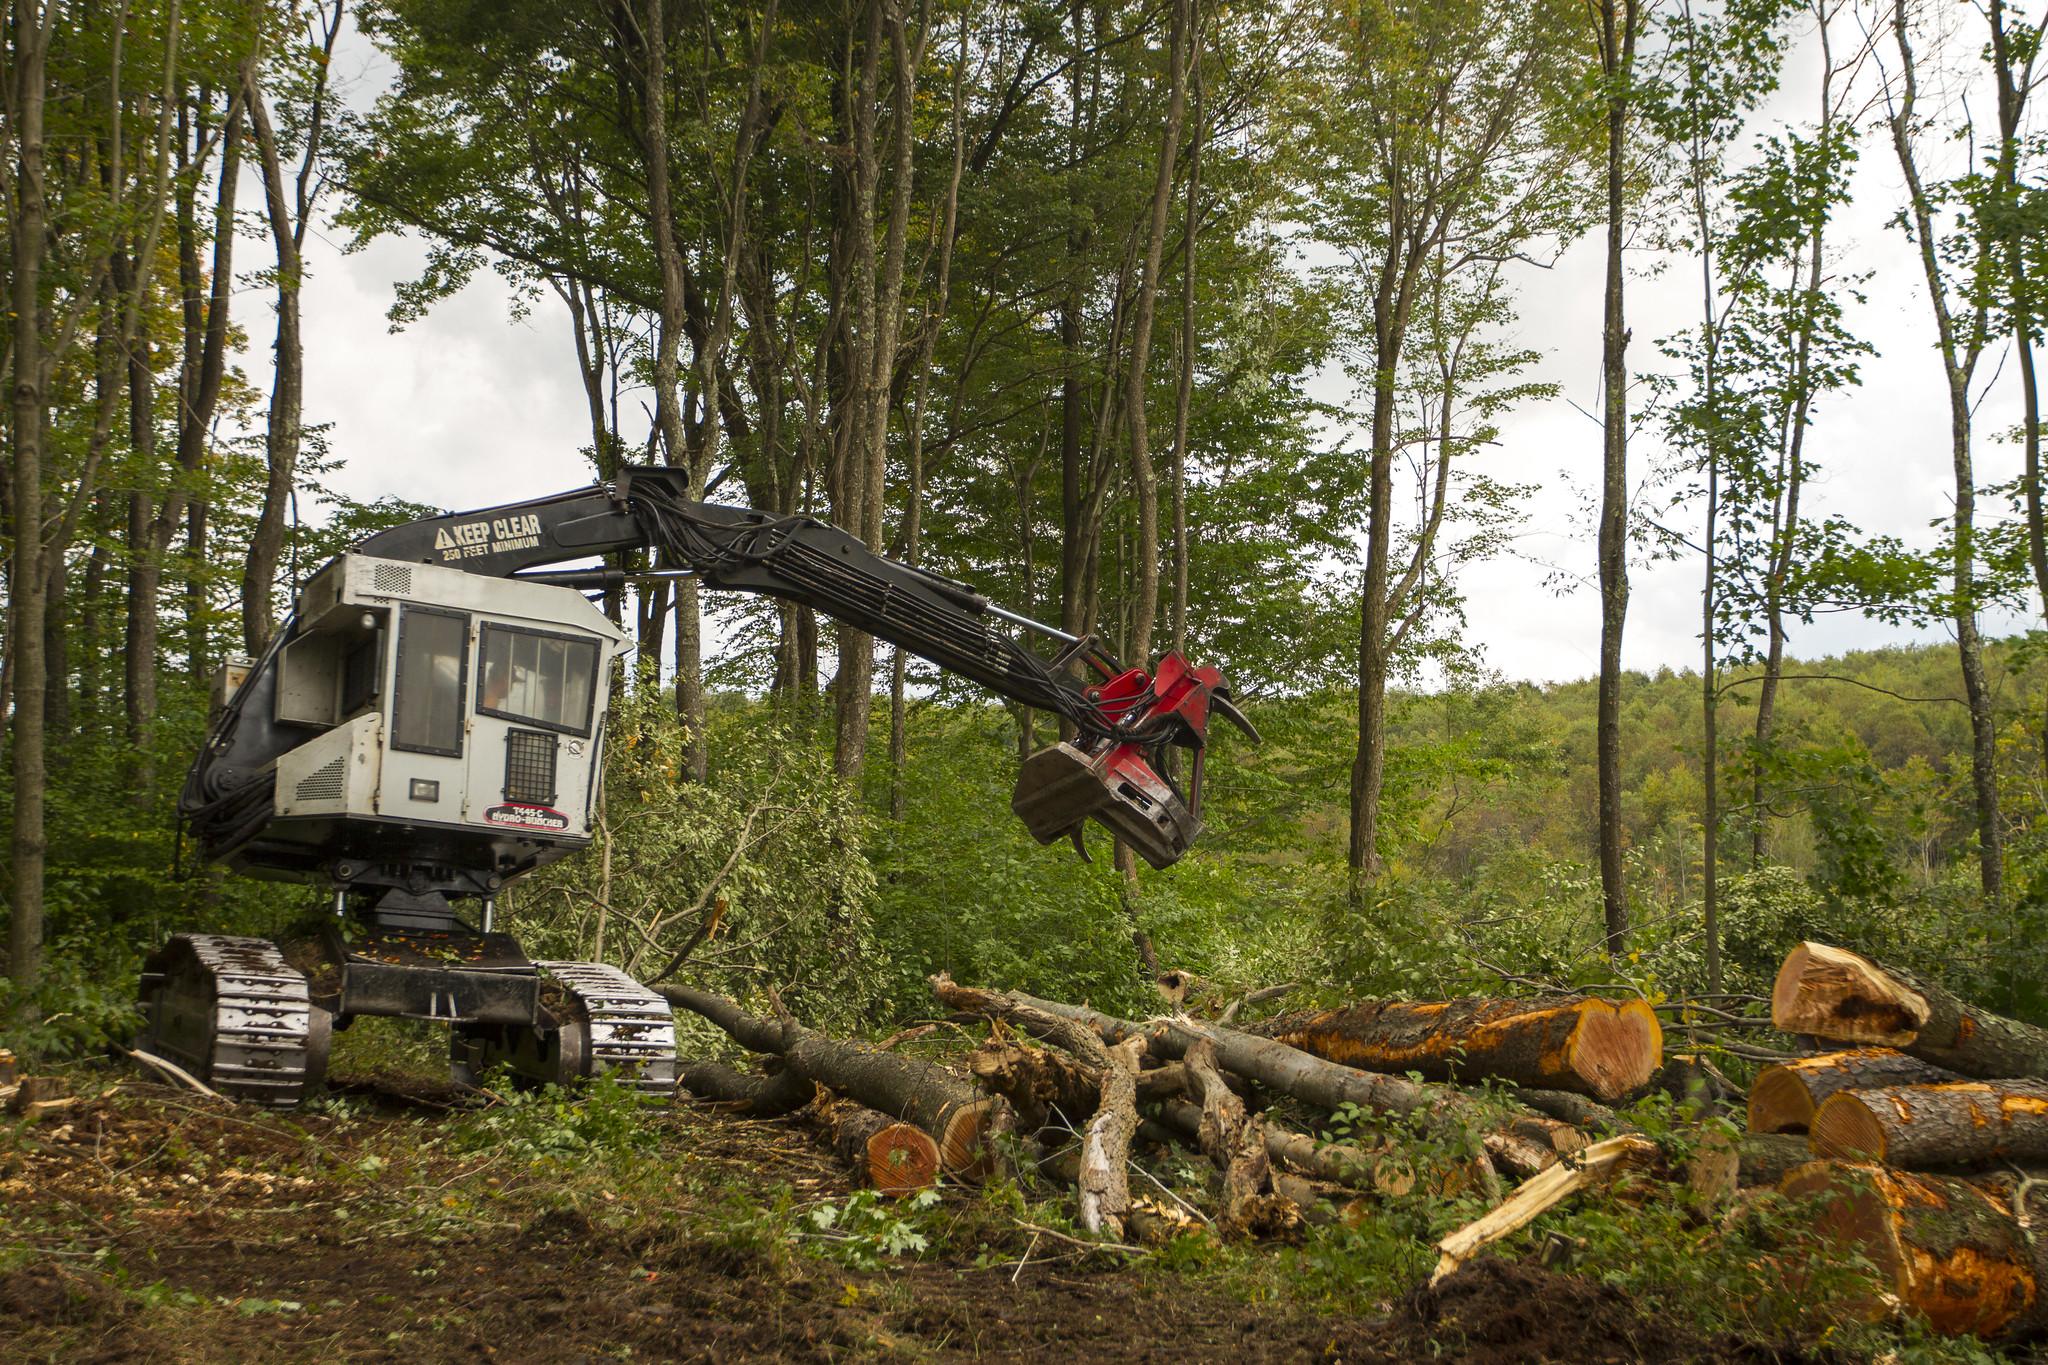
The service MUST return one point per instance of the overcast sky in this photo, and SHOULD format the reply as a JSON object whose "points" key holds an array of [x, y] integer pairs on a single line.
{"points": [[470, 407]]}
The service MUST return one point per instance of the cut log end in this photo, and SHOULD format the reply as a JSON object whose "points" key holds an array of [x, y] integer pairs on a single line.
{"points": [[1845, 1126], [1615, 1049], [1940, 1246], [901, 1160], [1834, 993], [966, 1147], [1779, 1102]]}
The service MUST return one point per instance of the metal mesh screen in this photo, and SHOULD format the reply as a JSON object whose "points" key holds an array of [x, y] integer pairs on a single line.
{"points": [[530, 767]]}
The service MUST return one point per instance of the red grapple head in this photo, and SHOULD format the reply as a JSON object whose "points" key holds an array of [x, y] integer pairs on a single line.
{"points": [[1111, 780]]}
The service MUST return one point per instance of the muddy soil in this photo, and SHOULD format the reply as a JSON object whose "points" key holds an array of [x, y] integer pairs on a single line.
{"points": [[154, 1226]]}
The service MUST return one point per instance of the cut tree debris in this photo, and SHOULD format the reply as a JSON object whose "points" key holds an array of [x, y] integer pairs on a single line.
{"points": [[1267, 1061], [893, 1157], [1594, 1164], [1578, 1044], [1783, 1098], [961, 1119], [756, 1096], [1834, 993], [1971, 1258], [1077, 1086], [1960, 1123]]}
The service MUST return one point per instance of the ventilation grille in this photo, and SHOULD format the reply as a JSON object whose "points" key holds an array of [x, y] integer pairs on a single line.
{"points": [[326, 782], [392, 578], [530, 767]]}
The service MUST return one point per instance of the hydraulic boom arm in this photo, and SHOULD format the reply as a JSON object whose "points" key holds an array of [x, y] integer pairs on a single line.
{"points": [[1129, 715]]}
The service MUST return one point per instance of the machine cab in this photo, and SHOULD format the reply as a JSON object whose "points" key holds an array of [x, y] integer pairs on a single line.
{"points": [[434, 701]]}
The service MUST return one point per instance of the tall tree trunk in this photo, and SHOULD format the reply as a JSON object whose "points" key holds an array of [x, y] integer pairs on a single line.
{"points": [[1959, 346], [668, 413], [152, 526], [1184, 386], [1617, 41], [928, 339], [28, 585], [879, 312], [288, 223], [2013, 90]]}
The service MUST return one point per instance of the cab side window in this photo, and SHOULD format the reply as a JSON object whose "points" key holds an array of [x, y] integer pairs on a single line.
{"points": [[539, 677], [426, 707]]}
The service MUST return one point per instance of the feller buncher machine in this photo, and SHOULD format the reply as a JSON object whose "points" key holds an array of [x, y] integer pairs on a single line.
{"points": [[429, 726]]}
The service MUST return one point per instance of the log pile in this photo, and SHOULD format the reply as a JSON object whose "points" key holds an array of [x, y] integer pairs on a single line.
{"points": [[1899, 1145], [1912, 1129]]}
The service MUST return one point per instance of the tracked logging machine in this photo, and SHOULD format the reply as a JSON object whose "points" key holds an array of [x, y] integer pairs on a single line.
{"points": [[429, 725]]}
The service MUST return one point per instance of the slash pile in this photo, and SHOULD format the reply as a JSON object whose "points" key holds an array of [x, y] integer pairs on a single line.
{"points": [[1507, 1101]]}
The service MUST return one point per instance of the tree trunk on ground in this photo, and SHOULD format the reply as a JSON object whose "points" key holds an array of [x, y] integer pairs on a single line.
{"points": [[760, 1097], [1961, 1123], [1046, 1088], [1235, 1144], [1586, 1046], [959, 1117], [1834, 993], [1783, 1098], [893, 1157], [1596, 1163], [1106, 1145], [1947, 1248], [1286, 1069]]}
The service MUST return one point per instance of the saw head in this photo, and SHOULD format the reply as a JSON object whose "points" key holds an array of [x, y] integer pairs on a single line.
{"points": [[1113, 777]]}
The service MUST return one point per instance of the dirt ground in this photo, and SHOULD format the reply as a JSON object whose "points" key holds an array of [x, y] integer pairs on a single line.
{"points": [[153, 1225]]}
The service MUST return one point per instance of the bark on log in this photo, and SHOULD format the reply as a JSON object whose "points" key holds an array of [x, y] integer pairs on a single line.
{"points": [[1577, 1110], [1235, 1144], [1783, 1098], [1584, 1046], [1596, 1163], [1767, 1158], [1944, 1247], [1105, 1181], [761, 1097], [1046, 1088], [1267, 1061], [1961, 1123], [958, 1117], [1834, 993], [893, 1157]]}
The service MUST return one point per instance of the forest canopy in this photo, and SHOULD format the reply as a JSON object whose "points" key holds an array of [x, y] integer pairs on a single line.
{"points": [[1180, 325]]}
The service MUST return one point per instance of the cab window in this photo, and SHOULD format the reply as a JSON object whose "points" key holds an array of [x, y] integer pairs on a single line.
{"points": [[538, 677], [426, 703]]}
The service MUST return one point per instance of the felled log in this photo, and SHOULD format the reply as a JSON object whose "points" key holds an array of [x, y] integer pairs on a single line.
{"points": [[9, 1068], [1580, 1112], [894, 1158], [959, 1117], [1235, 1144], [1104, 1177], [1956, 1252], [1596, 1163], [1286, 1069], [1046, 1088], [1582, 1045], [1767, 1158], [37, 1094], [1834, 993], [1783, 1098], [757, 1096], [1961, 1123]]}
